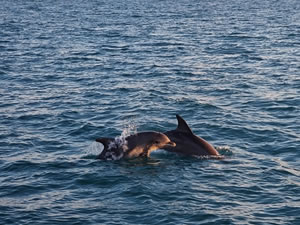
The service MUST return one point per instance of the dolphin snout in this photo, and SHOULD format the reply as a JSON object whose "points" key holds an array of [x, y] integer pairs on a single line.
{"points": [[170, 144]]}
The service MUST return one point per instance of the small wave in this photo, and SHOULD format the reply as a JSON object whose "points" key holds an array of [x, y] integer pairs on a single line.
{"points": [[209, 156]]}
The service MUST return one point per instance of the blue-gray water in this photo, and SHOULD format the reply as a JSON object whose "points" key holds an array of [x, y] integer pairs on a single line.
{"points": [[72, 71]]}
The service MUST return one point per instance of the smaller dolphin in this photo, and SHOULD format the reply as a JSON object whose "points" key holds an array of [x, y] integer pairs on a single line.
{"points": [[187, 143], [137, 145]]}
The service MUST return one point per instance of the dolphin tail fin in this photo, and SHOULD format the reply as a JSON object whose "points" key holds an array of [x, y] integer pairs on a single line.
{"points": [[182, 125], [105, 141]]}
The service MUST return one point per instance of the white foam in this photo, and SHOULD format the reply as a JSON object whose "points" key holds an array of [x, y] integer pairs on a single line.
{"points": [[224, 148]]}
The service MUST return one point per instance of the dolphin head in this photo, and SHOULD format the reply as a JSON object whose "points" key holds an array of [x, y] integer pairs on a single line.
{"points": [[142, 144], [160, 140]]}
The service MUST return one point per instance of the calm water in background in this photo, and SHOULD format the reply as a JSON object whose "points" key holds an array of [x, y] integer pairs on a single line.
{"points": [[74, 71]]}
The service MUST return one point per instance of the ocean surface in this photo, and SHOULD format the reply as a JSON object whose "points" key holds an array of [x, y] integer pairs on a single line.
{"points": [[72, 71]]}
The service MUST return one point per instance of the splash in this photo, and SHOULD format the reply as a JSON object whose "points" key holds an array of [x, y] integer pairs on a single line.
{"points": [[120, 142], [224, 150], [119, 145], [94, 149]]}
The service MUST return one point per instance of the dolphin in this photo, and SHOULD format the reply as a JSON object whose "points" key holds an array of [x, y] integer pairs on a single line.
{"points": [[187, 143], [136, 145]]}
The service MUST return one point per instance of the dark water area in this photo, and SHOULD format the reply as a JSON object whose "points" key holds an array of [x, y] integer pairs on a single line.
{"points": [[72, 71]]}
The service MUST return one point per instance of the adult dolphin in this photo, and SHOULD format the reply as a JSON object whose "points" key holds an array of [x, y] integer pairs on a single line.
{"points": [[137, 145], [187, 143]]}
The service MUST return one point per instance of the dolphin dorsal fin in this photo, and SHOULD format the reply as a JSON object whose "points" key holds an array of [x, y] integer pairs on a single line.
{"points": [[182, 125]]}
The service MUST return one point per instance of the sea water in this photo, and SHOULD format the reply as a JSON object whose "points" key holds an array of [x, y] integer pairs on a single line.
{"points": [[73, 71]]}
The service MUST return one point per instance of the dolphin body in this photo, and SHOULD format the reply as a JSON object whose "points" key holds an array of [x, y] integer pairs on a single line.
{"points": [[187, 143], [137, 145]]}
